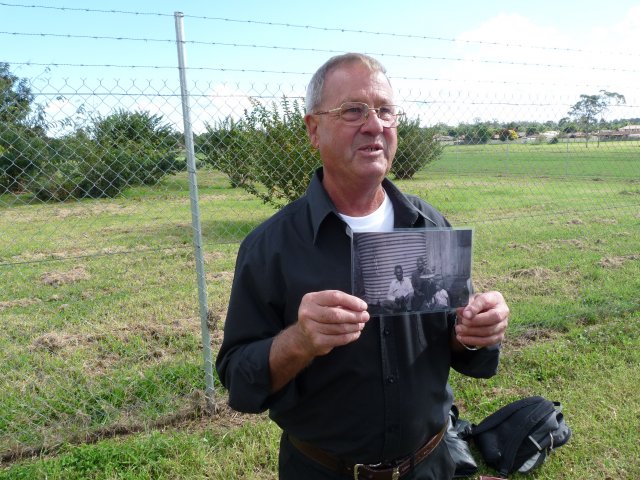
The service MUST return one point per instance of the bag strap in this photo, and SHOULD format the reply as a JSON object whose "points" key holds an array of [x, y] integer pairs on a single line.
{"points": [[539, 412], [503, 413]]}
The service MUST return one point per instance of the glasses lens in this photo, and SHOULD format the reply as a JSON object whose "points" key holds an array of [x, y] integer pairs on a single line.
{"points": [[353, 112], [387, 113]]}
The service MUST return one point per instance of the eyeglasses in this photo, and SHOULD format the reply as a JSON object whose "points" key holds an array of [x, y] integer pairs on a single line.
{"points": [[357, 113]]}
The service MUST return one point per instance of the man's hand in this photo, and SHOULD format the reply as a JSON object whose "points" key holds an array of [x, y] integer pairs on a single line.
{"points": [[326, 320], [483, 321], [329, 319]]}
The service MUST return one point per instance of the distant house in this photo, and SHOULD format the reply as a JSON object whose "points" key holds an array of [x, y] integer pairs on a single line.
{"points": [[629, 129], [443, 138]]}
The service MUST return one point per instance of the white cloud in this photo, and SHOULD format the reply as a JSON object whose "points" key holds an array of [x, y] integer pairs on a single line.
{"points": [[512, 68]]}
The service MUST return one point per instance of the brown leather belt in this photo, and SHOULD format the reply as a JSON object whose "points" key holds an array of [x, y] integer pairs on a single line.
{"points": [[369, 472]]}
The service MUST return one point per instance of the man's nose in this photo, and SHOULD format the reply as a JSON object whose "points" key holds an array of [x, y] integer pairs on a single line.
{"points": [[372, 122]]}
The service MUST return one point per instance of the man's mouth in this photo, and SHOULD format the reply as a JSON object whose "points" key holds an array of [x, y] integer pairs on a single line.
{"points": [[370, 148]]}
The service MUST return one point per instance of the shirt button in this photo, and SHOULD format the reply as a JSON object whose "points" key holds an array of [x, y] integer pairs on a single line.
{"points": [[386, 331], [391, 379]]}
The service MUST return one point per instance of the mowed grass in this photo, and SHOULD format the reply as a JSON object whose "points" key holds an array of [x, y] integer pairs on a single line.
{"points": [[100, 353]]}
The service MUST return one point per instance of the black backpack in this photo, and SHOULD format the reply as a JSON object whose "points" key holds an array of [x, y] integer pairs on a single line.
{"points": [[520, 435]]}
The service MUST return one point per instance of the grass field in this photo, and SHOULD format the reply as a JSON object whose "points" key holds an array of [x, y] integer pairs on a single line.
{"points": [[100, 353]]}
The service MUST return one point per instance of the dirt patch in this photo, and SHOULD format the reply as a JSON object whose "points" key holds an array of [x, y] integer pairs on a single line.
{"points": [[575, 221], [54, 342], [615, 262], [220, 276], [91, 210], [534, 272], [56, 279], [212, 256], [525, 247], [527, 337], [57, 341], [197, 415], [606, 221], [574, 242], [484, 284], [21, 302]]}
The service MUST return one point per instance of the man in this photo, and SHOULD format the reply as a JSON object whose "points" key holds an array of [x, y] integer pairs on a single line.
{"points": [[355, 395], [400, 292], [422, 285]]}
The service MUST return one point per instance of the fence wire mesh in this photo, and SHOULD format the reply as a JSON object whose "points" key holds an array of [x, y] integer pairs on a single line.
{"points": [[99, 303]]}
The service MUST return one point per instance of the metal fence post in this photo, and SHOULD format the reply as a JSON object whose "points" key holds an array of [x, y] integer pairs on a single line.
{"points": [[195, 217]]}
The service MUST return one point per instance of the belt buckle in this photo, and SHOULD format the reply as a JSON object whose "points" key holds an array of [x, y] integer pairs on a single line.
{"points": [[355, 470], [395, 475]]}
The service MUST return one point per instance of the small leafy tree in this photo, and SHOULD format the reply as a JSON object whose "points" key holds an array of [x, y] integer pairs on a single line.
{"points": [[22, 142], [15, 97], [590, 109], [267, 152], [507, 134], [222, 146], [121, 150], [416, 148]]}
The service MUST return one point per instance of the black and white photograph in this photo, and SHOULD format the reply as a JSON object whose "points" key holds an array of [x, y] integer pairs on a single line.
{"points": [[409, 271]]}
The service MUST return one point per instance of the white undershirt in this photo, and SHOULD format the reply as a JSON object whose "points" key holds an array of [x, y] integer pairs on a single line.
{"points": [[379, 221]]}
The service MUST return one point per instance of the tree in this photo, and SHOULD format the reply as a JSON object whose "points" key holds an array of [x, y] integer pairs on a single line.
{"points": [[590, 109], [267, 152], [416, 148], [22, 142], [507, 134], [121, 150], [15, 97]]}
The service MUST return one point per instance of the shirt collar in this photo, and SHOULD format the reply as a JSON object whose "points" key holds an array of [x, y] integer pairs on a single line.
{"points": [[321, 205]]}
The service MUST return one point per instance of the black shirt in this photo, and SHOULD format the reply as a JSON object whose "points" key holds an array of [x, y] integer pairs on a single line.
{"points": [[374, 400]]}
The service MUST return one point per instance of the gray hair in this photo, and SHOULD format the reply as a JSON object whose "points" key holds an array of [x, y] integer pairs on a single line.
{"points": [[314, 89]]}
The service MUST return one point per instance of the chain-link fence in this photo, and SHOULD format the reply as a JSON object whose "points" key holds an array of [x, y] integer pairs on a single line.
{"points": [[100, 313]]}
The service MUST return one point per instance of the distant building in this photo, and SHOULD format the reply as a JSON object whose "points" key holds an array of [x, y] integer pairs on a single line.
{"points": [[629, 129]]}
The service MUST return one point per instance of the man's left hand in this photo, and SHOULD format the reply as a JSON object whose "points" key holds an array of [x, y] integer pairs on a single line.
{"points": [[483, 321]]}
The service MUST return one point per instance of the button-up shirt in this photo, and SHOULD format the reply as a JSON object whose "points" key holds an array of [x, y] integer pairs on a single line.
{"points": [[374, 400], [399, 288]]}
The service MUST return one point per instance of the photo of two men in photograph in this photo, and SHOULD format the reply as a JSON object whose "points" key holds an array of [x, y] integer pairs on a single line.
{"points": [[412, 271]]}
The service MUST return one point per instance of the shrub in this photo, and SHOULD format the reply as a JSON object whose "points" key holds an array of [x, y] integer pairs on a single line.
{"points": [[22, 152], [416, 148], [122, 150], [507, 134], [267, 152], [222, 147]]}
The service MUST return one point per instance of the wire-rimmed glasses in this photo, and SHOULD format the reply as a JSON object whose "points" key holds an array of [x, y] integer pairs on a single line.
{"points": [[357, 113]]}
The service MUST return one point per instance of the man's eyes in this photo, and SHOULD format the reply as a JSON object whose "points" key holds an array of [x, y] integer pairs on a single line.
{"points": [[353, 110]]}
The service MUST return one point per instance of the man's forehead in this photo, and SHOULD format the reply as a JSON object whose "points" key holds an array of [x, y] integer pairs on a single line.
{"points": [[356, 82]]}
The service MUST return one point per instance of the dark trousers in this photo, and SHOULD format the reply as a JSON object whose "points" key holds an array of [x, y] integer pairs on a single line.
{"points": [[294, 465]]}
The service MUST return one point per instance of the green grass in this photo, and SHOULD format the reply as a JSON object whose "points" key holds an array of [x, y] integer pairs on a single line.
{"points": [[101, 334]]}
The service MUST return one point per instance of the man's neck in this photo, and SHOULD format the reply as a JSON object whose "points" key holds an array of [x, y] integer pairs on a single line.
{"points": [[355, 201]]}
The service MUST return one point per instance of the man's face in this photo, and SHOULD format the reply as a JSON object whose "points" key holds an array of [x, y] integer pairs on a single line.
{"points": [[399, 273], [353, 154], [420, 264]]}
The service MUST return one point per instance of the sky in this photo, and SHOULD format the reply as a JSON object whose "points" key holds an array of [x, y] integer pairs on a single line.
{"points": [[450, 62]]}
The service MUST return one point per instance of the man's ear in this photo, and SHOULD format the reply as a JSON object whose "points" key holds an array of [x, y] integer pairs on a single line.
{"points": [[311, 121]]}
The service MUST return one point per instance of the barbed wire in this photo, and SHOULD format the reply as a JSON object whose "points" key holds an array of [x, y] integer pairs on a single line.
{"points": [[308, 74], [319, 50], [331, 29]]}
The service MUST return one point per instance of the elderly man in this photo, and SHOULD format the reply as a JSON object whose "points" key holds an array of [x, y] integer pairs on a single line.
{"points": [[356, 396], [400, 292]]}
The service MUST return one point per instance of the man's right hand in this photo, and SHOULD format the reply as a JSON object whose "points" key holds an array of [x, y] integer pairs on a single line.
{"points": [[329, 319], [326, 319]]}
